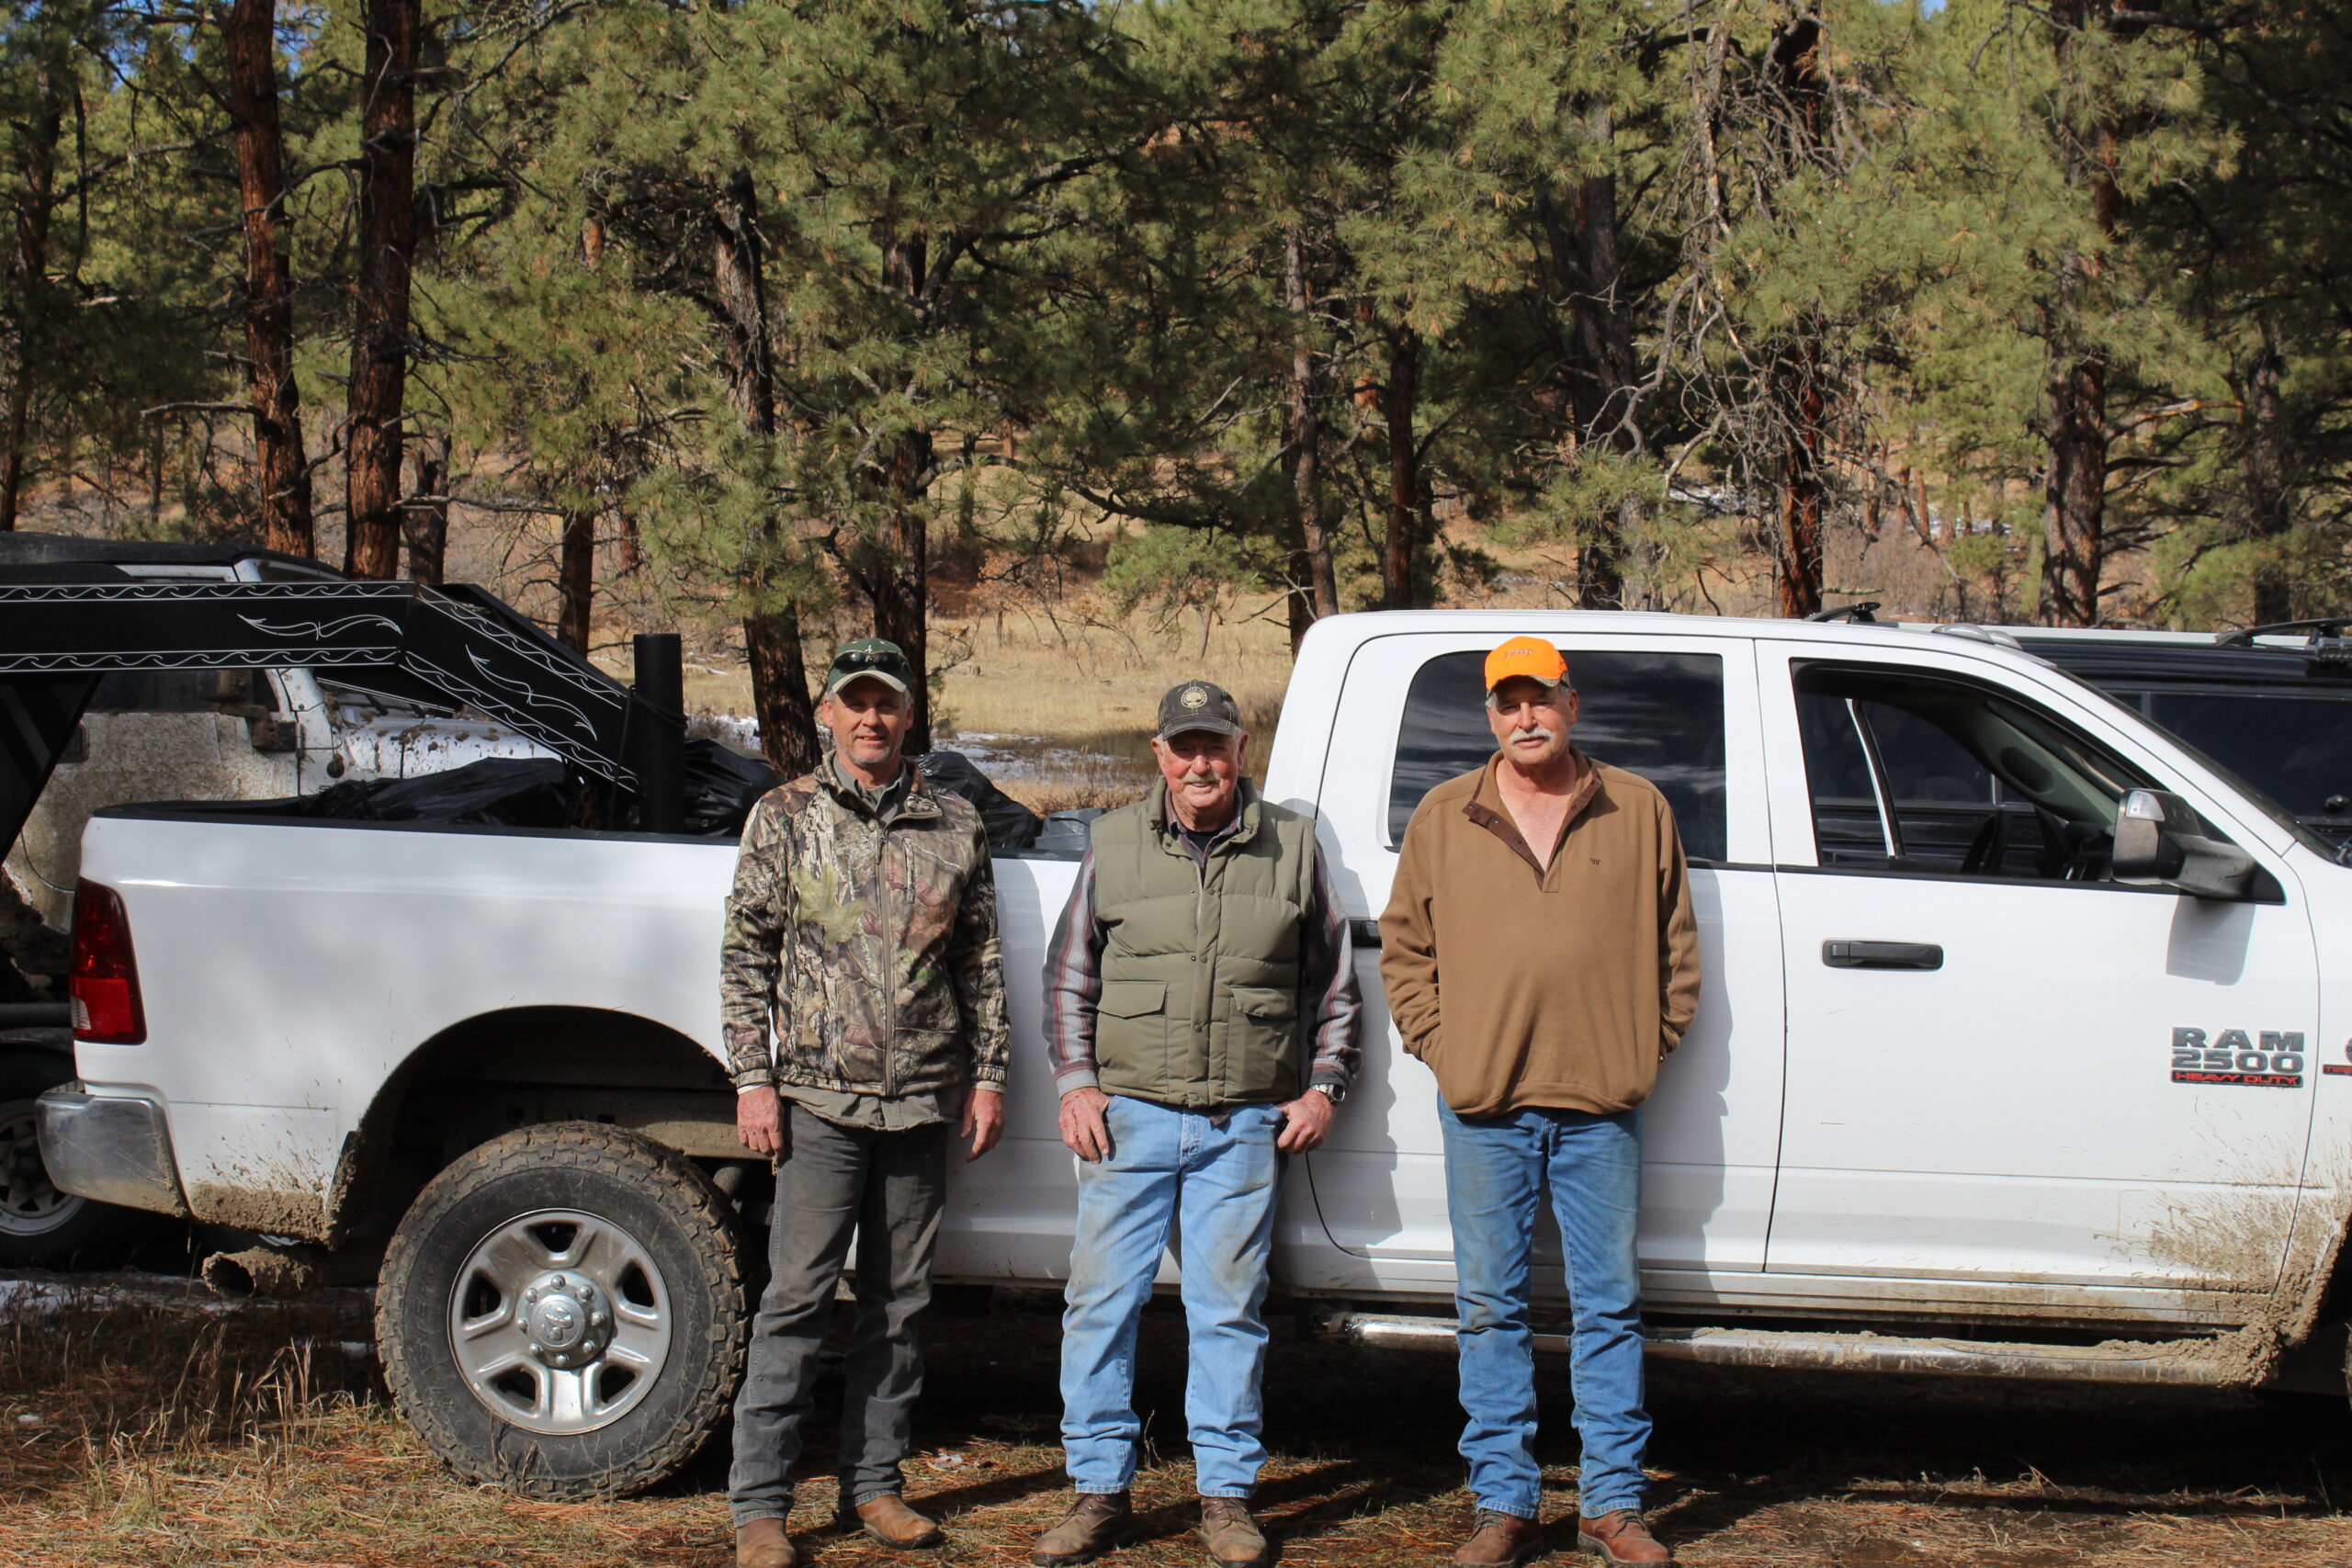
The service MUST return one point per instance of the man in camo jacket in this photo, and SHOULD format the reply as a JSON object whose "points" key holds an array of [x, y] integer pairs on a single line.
{"points": [[864, 1006]]}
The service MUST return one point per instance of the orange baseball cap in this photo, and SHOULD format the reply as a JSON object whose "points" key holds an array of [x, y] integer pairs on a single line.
{"points": [[1528, 656]]}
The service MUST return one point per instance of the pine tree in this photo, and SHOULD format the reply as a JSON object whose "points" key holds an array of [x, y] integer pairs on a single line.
{"points": [[2255, 240], [387, 251], [251, 94]]}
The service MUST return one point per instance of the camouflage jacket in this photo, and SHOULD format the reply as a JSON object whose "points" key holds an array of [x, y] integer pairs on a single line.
{"points": [[860, 956]]}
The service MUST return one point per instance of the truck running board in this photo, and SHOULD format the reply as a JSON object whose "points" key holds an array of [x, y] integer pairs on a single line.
{"points": [[2116, 1363]]}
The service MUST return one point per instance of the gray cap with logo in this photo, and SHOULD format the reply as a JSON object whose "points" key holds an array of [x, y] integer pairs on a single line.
{"points": [[1198, 706]]}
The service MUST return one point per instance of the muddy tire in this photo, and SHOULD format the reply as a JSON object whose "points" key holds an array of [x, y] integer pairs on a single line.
{"points": [[40, 1227], [562, 1312]]}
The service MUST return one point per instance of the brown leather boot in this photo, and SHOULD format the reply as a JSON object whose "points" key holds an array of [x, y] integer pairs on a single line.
{"points": [[1622, 1539], [1233, 1537], [762, 1544], [1501, 1538], [1095, 1524], [889, 1520]]}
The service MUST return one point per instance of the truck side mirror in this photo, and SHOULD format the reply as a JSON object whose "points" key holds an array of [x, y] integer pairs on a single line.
{"points": [[2160, 842]]}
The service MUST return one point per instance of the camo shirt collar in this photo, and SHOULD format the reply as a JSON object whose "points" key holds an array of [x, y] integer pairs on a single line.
{"points": [[908, 795]]}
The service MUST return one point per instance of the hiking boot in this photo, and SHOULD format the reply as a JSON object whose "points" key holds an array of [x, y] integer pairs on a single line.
{"points": [[1233, 1537], [887, 1519], [1621, 1539], [1501, 1538], [762, 1544], [1097, 1522]]}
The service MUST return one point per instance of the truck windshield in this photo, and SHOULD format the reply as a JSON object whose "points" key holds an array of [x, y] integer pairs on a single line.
{"points": [[2254, 741], [2295, 749]]}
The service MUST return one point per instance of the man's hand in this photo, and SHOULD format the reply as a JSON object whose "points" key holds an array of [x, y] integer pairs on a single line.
{"points": [[1083, 1129], [1305, 1122], [759, 1121], [983, 1121]]}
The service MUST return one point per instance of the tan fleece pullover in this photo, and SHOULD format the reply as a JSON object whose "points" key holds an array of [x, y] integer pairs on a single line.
{"points": [[1523, 981]]}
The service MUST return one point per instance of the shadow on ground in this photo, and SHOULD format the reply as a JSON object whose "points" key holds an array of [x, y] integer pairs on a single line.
{"points": [[1849, 1469], [137, 1432]]}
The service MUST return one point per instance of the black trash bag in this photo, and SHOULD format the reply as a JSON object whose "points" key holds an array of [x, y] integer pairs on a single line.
{"points": [[1066, 835], [722, 786], [497, 792], [1011, 825]]}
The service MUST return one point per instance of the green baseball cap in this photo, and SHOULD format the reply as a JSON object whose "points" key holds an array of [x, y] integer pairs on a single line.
{"points": [[877, 657], [1198, 706]]}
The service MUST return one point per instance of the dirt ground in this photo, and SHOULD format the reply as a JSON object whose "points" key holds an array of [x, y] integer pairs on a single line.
{"points": [[142, 1433]]}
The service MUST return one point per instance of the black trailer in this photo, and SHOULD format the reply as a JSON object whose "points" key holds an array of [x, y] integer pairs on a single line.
{"points": [[73, 612]]}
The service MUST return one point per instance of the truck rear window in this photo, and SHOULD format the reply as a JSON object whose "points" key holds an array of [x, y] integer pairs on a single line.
{"points": [[2298, 751], [1659, 715]]}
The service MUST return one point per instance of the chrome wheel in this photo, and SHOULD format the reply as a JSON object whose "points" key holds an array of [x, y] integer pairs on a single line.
{"points": [[559, 1321], [30, 1204]]}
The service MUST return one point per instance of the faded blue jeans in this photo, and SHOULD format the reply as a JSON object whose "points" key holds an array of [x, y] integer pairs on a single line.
{"points": [[1213, 1178], [1497, 1168]]}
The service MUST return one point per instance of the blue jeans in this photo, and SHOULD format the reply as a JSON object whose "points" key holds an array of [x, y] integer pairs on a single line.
{"points": [[1496, 1170], [1213, 1179]]}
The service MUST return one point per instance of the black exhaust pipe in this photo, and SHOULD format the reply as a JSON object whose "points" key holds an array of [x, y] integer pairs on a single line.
{"points": [[659, 733]]}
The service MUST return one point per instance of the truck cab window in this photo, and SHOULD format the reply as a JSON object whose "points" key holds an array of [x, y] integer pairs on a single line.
{"points": [[1659, 715], [1918, 772], [2296, 749]]}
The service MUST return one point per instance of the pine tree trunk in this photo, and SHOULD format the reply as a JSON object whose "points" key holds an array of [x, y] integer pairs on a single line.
{"points": [[282, 471], [780, 689], [575, 580], [1797, 396], [896, 572], [2075, 480], [632, 541], [1800, 416], [1398, 403], [739, 271], [380, 305], [780, 699], [39, 172], [1603, 370], [900, 577], [2075, 493], [1315, 587], [426, 518], [2267, 445]]}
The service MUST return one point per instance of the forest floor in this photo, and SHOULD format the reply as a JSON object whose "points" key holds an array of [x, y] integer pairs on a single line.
{"points": [[139, 1432]]}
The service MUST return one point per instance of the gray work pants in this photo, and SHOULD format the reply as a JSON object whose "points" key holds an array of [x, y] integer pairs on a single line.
{"points": [[888, 1187]]}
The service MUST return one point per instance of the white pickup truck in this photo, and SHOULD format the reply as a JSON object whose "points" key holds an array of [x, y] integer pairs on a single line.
{"points": [[2022, 1048]]}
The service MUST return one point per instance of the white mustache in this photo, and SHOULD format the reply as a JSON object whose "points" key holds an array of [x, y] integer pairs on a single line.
{"points": [[1198, 779], [1536, 733]]}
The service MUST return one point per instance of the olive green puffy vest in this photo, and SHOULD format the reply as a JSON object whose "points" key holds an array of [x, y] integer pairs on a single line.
{"points": [[1201, 970]]}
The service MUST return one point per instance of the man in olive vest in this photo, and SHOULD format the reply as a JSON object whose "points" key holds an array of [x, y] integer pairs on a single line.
{"points": [[1201, 1008]]}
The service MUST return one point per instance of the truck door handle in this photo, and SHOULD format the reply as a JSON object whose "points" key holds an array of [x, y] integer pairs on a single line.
{"points": [[1882, 954]]}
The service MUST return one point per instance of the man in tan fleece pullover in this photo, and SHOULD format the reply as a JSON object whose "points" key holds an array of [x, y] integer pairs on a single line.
{"points": [[1540, 954]]}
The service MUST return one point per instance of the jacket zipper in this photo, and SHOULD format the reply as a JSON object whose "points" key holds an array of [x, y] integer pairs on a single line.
{"points": [[890, 969], [1204, 999]]}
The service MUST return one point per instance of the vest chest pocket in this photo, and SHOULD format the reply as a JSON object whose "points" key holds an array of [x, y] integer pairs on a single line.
{"points": [[1132, 998], [1264, 1003]]}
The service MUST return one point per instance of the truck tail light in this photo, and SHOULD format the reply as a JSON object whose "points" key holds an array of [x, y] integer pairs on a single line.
{"points": [[105, 985]]}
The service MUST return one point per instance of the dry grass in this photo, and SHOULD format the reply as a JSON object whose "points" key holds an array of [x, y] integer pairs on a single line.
{"points": [[1060, 704], [1023, 676], [1012, 673], [159, 1436]]}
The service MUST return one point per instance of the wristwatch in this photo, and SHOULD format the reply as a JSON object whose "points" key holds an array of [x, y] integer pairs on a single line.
{"points": [[1331, 1092]]}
